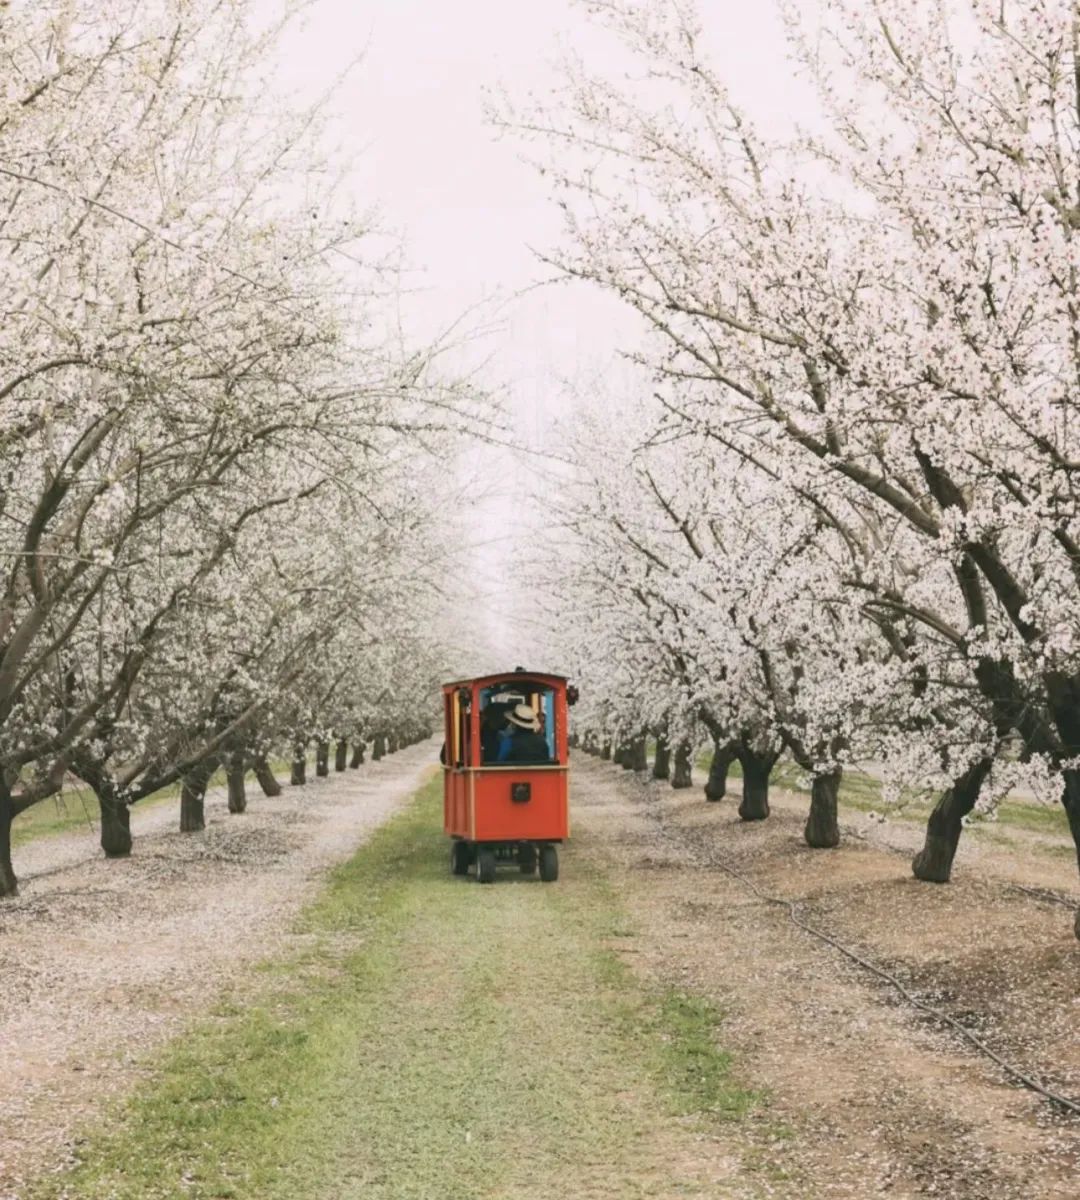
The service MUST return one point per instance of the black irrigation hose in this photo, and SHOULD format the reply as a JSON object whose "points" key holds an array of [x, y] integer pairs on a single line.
{"points": [[1044, 894], [716, 858]]}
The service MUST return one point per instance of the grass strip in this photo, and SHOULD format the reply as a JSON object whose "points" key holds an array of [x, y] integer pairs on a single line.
{"points": [[435, 1038], [78, 808], [863, 793]]}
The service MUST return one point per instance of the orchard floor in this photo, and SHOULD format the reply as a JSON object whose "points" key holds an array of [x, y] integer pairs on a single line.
{"points": [[224, 1015], [875, 1098]]}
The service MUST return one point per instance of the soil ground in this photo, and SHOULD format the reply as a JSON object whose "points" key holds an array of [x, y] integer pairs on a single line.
{"points": [[102, 961], [528, 1040], [876, 1099]]}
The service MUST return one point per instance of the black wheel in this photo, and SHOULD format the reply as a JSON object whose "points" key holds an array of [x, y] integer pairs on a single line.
{"points": [[549, 864], [485, 866], [527, 860], [459, 858]]}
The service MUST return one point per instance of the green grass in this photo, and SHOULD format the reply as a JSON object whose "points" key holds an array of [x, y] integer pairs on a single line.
{"points": [[436, 1039], [78, 808], [864, 794]]}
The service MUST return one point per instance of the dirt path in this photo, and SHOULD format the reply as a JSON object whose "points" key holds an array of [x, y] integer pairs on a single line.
{"points": [[876, 1099], [102, 961]]}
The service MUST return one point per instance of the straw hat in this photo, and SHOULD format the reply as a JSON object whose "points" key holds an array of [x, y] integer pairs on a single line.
{"points": [[523, 717]]}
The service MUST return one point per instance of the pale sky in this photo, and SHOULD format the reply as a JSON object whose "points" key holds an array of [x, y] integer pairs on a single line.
{"points": [[468, 209]]}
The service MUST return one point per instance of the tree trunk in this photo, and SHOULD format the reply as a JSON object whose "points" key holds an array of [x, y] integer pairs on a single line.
{"points": [[298, 771], [661, 768], [357, 759], [716, 784], [822, 829], [1070, 798], [115, 818], [378, 748], [756, 769], [605, 751], [934, 861], [193, 797], [639, 753], [8, 884], [393, 743], [682, 776], [235, 776], [264, 773], [341, 755], [322, 759]]}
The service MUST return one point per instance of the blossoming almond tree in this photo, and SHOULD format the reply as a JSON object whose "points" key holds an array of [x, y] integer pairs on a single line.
{"points": [[900, 318], [185, 363]]}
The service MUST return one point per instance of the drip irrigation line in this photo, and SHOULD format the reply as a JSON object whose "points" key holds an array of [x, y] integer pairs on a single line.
{"points": [[1046, 894], [717, 858]]}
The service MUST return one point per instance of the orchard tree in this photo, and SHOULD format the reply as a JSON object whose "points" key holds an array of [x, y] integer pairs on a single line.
{"points": [[899, 319]]}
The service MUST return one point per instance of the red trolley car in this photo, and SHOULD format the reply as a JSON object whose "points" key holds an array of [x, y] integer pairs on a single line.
{"points": [[505, 797]]}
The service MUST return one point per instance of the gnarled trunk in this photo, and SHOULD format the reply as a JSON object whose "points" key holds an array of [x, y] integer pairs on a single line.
{"points": [[756, 769], [115, 818], [682, 773], [193, 797], [357, 759], [378, 748], [267, 779], [822, 829], [298, 770], [8, 883], [234, 775], [341, 755], [1070, 798], [934, 861], [661, 768], [716, 784], [322, 759]]}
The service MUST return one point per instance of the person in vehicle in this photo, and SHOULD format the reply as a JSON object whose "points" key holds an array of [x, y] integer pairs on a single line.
{"points": [[526, 743], [494, 731]]}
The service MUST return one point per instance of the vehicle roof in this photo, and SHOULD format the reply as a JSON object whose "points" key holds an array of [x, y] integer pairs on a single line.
{"points": [[508, 677]]}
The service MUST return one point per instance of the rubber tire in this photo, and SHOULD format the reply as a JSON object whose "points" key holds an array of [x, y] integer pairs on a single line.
{"points": [[527, 860], [460, 858], [485, 866], [549, 864]]}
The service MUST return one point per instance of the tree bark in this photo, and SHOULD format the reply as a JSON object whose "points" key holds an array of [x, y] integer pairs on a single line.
{"points": [[1070, 798], [115, 818], [639, 753], [756, 769], [716, 784], [193, 797], [341, 755], [822, 828], [234, 775], [322, 759], [605, 752], [682, 775], [264, 773], [934, 861], [298, 772], [357, 759], [8, 884], [662, 761], [378, 748]]}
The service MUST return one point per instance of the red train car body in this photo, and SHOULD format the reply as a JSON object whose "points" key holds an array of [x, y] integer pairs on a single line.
{"points": [[505, 811]]}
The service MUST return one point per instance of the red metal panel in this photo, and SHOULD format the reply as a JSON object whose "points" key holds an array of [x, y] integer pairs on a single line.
{"points": [[542, 818]]}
